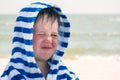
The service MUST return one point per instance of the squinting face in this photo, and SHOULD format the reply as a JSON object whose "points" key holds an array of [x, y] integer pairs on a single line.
{"points": [[45, 38]]}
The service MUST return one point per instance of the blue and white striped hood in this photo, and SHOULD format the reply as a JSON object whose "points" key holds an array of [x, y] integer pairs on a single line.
{"points": [[22, 65]]}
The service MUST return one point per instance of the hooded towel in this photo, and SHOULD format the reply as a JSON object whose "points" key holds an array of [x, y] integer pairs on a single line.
{"points": [[22, 65]]}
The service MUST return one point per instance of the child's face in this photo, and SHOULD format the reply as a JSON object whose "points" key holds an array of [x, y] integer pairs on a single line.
{"points": [[45, 39]]}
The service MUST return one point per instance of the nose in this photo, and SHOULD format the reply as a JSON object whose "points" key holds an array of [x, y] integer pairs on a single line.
{"points": [[48, 39]]}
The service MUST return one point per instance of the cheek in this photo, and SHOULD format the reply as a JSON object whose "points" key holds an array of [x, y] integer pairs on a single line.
{"points": [[55, 43], [36, 41]]}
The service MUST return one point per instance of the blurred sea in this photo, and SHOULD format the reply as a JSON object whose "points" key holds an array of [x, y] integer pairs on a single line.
{"points": [[90, 34]]}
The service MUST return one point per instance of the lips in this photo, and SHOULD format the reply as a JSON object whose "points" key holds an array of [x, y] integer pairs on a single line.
{"points": [[46, 47]]}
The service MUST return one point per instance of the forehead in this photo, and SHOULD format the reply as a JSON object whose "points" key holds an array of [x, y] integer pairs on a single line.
{"points": [[49, 13], [46, 18], [45, 24]]}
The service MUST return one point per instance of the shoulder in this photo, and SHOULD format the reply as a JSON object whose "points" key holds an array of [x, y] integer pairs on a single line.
{"points": [[65, 73]]}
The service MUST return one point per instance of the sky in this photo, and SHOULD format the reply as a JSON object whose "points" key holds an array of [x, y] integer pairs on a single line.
{"points": [[68, 6]]}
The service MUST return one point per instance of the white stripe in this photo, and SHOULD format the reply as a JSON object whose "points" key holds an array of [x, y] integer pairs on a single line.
{"points": [[61, 13], [60, 48], [23, 46], [4, 78], [56, 57], [24, 57], [51, 77], [35, 78], [13, 73], [63, 20], [63, 71], [28, 14], [65, 79], [23, 35], [36, 6], [64, 29], [63, 39], [25, 24], [26, 69]]}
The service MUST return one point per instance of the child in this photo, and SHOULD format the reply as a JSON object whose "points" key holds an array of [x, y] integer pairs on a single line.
{"points": [[40, 37]]}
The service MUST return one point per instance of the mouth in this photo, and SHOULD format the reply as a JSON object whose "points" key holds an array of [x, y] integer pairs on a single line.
{"points": [[46, 47]]}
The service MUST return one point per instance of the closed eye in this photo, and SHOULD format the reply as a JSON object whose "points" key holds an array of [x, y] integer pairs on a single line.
{"points": [[41, 34], [54, 35]]}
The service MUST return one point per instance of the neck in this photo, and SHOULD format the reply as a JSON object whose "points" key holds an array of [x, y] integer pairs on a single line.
{"points": [[44, 67]]}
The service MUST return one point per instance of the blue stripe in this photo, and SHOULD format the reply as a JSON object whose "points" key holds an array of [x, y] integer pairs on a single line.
{"points": [[64, 44], [18, 76], [55, 62], [47, 5], [7, 72], [63, 16], [62, 68], [58, 9], [64, 34], [28, 64], [24, 30], [65, 24], [23, 51], [64, 76], [60, 53], [30, 9], [30, 75], [21, 40], [55, 71], [77, 79], [72, 72], [26, 19]]}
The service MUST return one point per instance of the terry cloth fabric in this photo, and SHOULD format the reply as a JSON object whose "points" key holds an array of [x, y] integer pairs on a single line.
{"points": [[22, 65]]}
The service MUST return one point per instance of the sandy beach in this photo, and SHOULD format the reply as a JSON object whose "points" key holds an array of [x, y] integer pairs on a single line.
{"points": [[89, 67]]}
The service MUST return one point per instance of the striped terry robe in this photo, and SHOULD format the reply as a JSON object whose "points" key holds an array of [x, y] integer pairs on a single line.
{"points": [[22, 65]]}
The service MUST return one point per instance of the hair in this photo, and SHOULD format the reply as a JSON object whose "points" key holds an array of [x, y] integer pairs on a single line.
{"points": [[51, 15]]}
